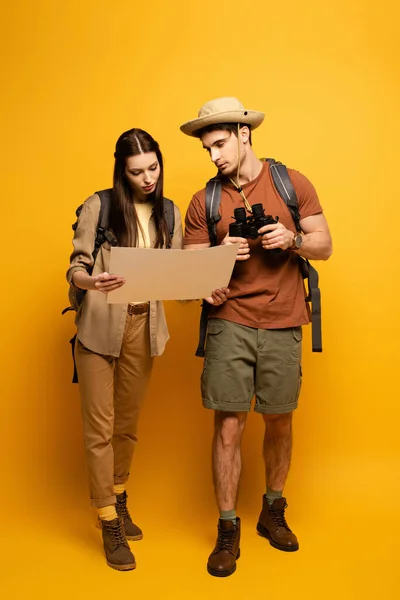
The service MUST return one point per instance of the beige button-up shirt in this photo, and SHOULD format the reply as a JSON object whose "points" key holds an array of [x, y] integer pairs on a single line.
{"points": [[100, 325]]}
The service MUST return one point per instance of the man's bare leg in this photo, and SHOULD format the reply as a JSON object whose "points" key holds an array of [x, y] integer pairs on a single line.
{"points": [[277, 449], [227, 457], [277, 454], [227, 465]]}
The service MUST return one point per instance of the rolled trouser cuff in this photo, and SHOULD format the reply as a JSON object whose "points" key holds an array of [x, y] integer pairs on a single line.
{"points": [[102, 502]]}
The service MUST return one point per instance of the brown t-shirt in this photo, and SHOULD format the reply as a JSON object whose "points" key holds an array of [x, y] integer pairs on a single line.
{"points": [[266, 291]]}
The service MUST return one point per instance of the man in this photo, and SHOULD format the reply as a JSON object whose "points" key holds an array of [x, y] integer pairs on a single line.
{"points": [[254, 338]]}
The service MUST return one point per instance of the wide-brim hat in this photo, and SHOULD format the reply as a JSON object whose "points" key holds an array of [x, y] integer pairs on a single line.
{"points": [[223, 110]]}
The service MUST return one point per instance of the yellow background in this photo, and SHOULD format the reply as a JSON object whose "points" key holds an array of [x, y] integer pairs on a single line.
{"points": [[77, 74]]}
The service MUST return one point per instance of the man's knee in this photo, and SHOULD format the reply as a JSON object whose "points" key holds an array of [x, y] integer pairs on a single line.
{"points": [[229, 426], [278, 423]]}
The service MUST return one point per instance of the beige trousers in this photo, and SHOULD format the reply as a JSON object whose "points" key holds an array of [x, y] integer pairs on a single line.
{"points": [[112, 392]]}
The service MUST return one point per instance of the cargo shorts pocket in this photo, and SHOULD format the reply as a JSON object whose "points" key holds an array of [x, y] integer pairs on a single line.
{"points": [[214, 338], [294, 349]]}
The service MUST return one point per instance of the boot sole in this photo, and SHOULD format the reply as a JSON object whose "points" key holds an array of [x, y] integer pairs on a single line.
{"points": [[132, 538], [216, 573], [129, 567], [263, 531]]}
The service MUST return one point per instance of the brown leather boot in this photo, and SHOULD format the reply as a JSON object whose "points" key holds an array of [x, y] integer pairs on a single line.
{"points": [[116, 548], [222, 560], [132, 531], [272, 525]]}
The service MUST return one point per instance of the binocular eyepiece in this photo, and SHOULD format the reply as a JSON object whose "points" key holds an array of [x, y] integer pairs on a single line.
{"points": [[247, 227]]}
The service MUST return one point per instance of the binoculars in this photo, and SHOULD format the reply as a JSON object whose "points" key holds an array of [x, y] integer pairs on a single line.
{"points": [[247, 227]]}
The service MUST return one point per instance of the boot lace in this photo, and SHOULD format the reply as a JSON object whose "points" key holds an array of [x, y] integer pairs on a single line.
{"points": [[116, 533], [226, 539], [122, 509], [278, 517]]}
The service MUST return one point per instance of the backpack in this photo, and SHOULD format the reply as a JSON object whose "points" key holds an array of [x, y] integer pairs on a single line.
{"points": [[103, 233], [286, 191]]}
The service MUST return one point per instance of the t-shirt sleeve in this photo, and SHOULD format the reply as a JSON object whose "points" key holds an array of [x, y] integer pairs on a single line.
{"points": [[309, 203], [196, 230]]}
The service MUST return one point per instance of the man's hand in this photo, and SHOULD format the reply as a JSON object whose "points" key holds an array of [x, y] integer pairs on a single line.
{"points": [[107, 282], [244, 248], [278, 237], [218, 297]]}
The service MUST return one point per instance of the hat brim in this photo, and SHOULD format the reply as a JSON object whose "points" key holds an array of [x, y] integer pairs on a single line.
{"points": [[247, 117]]}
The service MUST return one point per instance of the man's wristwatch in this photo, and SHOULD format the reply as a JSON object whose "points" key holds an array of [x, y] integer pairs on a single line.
{"points": [[297, 242]]}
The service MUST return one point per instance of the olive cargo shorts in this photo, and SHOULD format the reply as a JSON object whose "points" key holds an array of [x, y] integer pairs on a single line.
{"points": [[241, 362]]}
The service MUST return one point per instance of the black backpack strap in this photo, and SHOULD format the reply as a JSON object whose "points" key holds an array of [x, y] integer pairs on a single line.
{"points": [[285, 188], [213, 200], [72, 341], [169, 213], [205, 310], [105, 204], [314, 296]]}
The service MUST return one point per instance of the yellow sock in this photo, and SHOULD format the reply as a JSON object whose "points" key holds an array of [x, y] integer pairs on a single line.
{"points": [[119, 488], [107, 513]]}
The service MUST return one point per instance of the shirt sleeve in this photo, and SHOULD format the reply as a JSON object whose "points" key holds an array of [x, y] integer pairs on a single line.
{"points": [[85, 233], [309, 203], [196, 230]]}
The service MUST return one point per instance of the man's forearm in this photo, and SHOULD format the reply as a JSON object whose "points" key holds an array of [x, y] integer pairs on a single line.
{"points": [[316, 246]]}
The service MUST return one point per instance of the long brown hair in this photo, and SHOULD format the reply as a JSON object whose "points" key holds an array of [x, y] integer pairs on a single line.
{"points": [[123, 216]]}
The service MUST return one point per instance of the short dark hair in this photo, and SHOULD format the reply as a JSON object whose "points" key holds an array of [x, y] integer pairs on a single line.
{"points": [[231, 127]]}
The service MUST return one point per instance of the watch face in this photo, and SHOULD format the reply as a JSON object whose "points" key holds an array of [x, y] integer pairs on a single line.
{"points": [[298, 240]]}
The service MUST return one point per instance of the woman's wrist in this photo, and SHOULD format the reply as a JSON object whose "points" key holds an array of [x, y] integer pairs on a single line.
{"points": [[83, 280]]}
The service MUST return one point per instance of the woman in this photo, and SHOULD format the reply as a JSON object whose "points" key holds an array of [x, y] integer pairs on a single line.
{"points": [[116, 343]]}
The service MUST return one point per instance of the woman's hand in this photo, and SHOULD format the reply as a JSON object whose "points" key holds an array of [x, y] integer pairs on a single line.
{"points": [[107, 282]]}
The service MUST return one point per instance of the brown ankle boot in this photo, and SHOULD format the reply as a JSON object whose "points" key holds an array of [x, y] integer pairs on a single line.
{"points": [[116, 548], [132, 531], [222, 560], [272, 525]]}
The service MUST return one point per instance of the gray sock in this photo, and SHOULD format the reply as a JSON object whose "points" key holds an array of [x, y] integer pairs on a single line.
{"points": [[228, 515], [272, 495]]}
